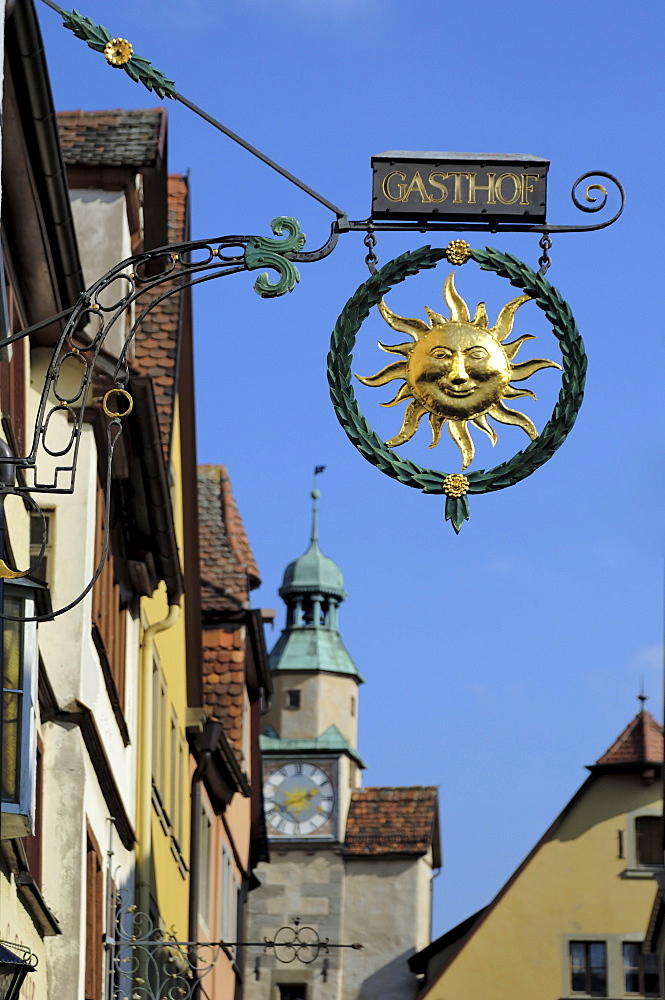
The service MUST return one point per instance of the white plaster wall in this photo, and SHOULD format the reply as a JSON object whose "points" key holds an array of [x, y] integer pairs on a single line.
{"points": [[102, 232], [349, 778], [63, 857], [72, 795], [387, 910]]}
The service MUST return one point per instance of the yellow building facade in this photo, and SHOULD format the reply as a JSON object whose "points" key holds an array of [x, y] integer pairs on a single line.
{"points": [[571, 921]]}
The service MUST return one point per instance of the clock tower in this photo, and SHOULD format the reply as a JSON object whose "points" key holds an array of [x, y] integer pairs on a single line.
{"points": [[351, 864], [309, 738]]}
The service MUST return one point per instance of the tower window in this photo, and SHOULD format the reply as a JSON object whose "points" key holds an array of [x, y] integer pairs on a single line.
{"points": [[293, 699], [292, 991]]}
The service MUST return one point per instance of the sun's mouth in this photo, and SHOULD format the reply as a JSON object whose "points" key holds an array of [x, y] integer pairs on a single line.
{"points": [[454, 390]]}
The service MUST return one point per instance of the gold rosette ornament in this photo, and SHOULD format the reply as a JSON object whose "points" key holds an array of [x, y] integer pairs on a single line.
{"points": [[118, 51]]}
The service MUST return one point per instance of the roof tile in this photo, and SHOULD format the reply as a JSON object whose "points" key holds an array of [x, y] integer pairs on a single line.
{"points": [[391, 821], [117, 138], [156, 344], [640, 742], [228, 568]]}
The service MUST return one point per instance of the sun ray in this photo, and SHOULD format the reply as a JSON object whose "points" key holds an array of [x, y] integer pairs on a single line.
{"points": [[513, 347], [436, 318], [504, 324], [415, 328], [459, 311], [403, 349], [484, 425], [528, 368], [512, 392], [436, 423], [459, 432], [507, 416], [404, 392], [414, 412], [480, 319], [397, 370]]}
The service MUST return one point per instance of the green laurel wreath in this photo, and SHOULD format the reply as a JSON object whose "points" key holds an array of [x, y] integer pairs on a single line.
{"points": [[521, 465]]}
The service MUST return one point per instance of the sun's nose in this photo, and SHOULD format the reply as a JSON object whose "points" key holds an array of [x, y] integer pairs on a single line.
{"points": [[458, 373]]}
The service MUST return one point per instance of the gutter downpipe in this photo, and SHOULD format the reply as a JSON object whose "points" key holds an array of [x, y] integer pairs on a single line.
{"points": [[195, 860], [144, 849]]}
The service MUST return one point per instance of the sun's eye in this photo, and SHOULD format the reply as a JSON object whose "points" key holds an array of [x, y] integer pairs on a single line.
{"points": [[440, 352], [478, 353]]}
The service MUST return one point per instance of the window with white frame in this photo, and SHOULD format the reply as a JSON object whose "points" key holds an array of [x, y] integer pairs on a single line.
{"points": [[610, 966], [19, 708], [588, 968], [649, 840], [644, 841], [640, 971]]}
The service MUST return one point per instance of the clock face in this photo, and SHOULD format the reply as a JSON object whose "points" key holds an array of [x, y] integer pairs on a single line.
{"points": [[299, 798]]}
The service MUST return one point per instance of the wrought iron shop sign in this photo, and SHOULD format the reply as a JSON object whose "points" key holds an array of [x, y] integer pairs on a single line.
{"points": [[458, 187], [456, 371]]}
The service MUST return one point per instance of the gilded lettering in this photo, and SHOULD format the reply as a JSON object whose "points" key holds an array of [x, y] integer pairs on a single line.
{"points": [[489, 187], [517, 189], [527, 188], [416, 185], [400, 187], [457, 175], [438, 184]]}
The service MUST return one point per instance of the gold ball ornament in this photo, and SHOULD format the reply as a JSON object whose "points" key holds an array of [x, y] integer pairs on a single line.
{"points": [[118, 51], [458, 252]]}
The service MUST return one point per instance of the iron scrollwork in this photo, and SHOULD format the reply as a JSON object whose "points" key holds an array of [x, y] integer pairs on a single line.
{"points": [[145, 962], [78, 367], [300, 942]]}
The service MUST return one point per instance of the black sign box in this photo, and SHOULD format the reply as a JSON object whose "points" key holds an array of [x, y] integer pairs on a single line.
{"points": [[459, 187]]}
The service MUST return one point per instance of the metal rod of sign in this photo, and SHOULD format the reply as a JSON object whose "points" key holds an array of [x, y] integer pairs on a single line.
{"points": [[120, 54], [412, 192]]}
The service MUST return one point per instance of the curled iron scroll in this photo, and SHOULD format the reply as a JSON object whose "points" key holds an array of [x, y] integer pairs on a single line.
{"points": [[49, 467]]}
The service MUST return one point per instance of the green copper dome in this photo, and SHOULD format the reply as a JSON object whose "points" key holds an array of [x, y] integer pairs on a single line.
{"points": [[313, 572], [312, 589]]}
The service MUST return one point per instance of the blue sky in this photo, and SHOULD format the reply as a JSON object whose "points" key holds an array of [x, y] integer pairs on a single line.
{"points": [[499, 662]]}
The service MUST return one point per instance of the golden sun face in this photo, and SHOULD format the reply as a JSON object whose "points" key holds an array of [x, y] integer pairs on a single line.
{"points": [[458, 370]]}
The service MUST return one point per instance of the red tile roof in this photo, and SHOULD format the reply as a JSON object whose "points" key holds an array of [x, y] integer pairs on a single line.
{"points": [[224, 681], [156, 344], [391, 821], [116, 138], [228, 568], [640, 742]]}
